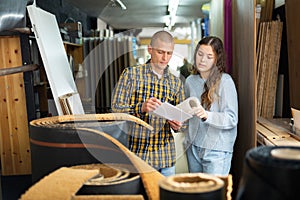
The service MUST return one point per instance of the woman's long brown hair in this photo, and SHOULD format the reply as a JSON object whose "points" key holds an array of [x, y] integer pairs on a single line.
{"points": [[212, 83]]}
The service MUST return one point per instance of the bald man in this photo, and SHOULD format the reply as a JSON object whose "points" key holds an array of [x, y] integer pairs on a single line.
{"points": [[139, 91]]}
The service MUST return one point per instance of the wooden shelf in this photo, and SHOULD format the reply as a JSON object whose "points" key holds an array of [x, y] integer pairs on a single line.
{"points": [[72, 44], [276, 132], [76, 51]]}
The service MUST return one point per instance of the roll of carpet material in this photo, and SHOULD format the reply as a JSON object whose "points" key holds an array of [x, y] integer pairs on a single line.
{"points": [[70, 150], [117, 129], [60, 184], [192, 186], [114, 124], [108, 197], [65, 182], [113, 179], [62, 141], [270, 172]]}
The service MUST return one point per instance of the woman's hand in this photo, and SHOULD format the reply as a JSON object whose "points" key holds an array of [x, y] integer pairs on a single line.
{"points": [[200, 112]]}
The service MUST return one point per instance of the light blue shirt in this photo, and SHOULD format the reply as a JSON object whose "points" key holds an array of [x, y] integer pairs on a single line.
{"points": [[219, 131]]}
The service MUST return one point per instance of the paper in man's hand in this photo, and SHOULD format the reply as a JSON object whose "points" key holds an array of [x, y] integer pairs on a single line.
{"points": [[180, 112], [170, 112]]}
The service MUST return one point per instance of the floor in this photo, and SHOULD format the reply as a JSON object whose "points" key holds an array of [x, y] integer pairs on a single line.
{"points": [[12, 187]]}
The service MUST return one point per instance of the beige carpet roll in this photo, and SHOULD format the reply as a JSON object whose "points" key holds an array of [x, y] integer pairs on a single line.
{"points": [[59, 185], [192, 186]]}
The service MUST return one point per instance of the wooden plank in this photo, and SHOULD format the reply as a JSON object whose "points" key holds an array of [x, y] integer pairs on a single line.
{"points": [[272, 134], [258, 65], [274, 62], [268, 142], [260, 139], [260, 72], [267, 137], [268, 71], [267, 67], [15, 148], [266, 132], [263, 68], [290, 141], [273, 73], [280, 131], [258, 50]]}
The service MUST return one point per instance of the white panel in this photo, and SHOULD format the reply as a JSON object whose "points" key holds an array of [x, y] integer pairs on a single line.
{"points": [[54, 56]]}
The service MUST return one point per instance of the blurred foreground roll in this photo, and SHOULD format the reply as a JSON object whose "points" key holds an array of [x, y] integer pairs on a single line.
{"points": [[198, 186], [271, 172]]}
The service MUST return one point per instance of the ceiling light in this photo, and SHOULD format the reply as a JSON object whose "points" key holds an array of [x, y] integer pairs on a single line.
{"points": [[119, 2], [172, 8], [123, 7]]}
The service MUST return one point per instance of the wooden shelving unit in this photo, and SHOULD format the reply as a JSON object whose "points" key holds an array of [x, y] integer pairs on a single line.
{"points": [[14, 133], [76, 51]]}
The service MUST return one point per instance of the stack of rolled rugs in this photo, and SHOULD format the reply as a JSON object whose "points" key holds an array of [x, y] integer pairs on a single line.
{"points": [[116, 181]]}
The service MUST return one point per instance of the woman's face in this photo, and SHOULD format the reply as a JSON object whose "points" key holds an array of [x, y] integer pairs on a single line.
{"points": [[205, 59]]}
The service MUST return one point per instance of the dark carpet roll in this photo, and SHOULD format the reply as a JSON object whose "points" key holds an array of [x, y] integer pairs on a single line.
{"points": [[271, 172], [70, 140]]}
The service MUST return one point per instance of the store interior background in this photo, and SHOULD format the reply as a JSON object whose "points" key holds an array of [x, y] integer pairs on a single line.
{"points": [[191, 32]]}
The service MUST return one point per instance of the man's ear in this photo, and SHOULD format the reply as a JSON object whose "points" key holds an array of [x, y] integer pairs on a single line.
{"points": [[150, 49]]}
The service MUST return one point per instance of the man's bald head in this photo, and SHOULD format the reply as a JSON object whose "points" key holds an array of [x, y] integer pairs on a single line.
{"points": [[163, 36]]}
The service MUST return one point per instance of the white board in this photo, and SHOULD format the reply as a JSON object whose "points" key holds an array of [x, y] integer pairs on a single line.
{"points": [[54, 56]]}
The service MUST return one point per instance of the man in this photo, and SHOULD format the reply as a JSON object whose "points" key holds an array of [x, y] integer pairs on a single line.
{"points": [[140, 90]]}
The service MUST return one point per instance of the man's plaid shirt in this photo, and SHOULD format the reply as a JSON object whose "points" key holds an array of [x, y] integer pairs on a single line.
{"points": [[135, 86]]}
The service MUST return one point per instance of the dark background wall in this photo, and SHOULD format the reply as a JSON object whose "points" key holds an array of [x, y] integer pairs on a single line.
{"points": [[64, 10], [283, 63]]}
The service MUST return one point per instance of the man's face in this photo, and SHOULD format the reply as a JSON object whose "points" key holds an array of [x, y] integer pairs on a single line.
{"points": [[161, 53]]}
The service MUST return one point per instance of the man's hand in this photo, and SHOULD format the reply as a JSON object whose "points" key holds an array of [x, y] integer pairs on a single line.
{"points": [[175, 125], [150, 105], [200, 112]]}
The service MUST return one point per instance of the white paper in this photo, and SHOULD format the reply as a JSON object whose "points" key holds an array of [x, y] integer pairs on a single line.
{"points": [[188, 104], [170, 112]]}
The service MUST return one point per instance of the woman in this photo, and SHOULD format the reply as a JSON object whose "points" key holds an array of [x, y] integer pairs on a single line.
{"points": [[213, 129]]}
